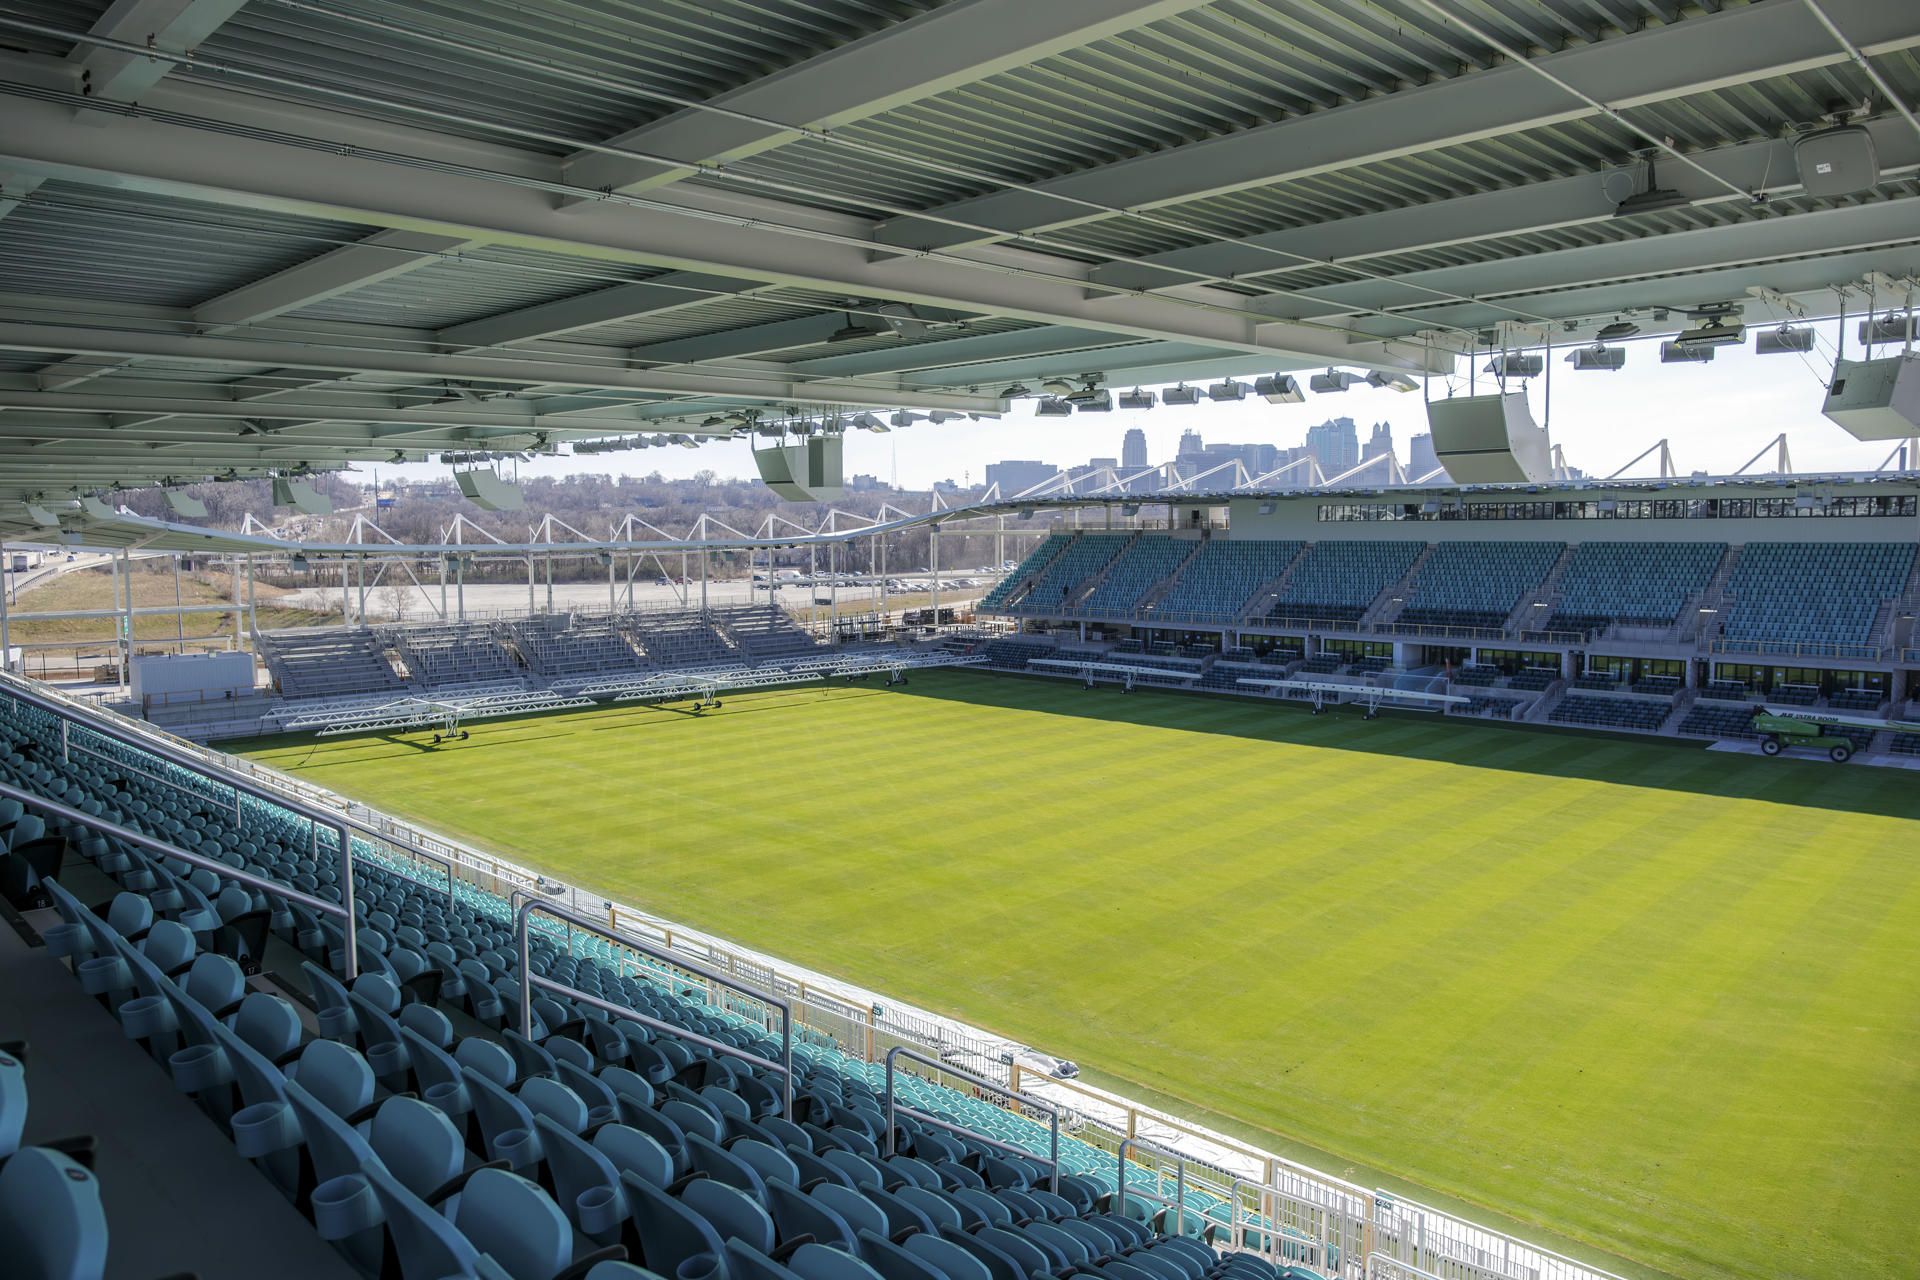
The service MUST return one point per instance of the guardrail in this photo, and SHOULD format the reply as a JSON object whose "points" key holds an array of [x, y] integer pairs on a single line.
{"points": [[895, 1108], [1802, 649], [523, 942], [341, 910]]}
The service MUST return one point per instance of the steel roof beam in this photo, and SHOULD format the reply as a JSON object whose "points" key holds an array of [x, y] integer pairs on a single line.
{"points": [[962, 351], [957, 44], [670, 292], [176, 26], [1540, 206], [243, 350], [1848, 227], [381, 256], [152, 155], [1734, 46]]}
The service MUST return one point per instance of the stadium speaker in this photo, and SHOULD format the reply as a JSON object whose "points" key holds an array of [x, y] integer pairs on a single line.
{"points": [[485, 489], [783, 467], [301, 497], [1489, 439], [185, 504], [1837, 162], [826, 472], [1876, 399]]}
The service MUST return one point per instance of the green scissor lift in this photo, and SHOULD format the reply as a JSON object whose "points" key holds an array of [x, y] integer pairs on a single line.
{"points": [[1800, 727]]}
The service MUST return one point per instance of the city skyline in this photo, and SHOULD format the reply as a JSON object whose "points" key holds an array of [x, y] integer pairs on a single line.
{"points": [[1716, 417]]}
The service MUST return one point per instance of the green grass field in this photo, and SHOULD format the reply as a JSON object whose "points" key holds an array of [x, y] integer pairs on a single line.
{"points": [[1658, 1000]]}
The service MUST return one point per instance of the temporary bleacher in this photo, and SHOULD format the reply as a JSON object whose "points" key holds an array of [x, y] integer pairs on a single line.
{"points": [[687, 638], [1134, 572], [1338, 580], [466, 654], [1811, 597], [1476, 584], [571, 649], [766, 634], [327, 662], [1630, 583], [413, 1130], [1222, 577]]}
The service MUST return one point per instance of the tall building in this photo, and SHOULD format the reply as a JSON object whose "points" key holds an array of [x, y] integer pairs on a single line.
{"points": [[1133, 449], [1379, 444], [1424, 460], [1335, 445], [1190, 442], [1015, 477]]}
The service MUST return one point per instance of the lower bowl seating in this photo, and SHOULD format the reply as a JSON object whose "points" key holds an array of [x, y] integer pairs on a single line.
{"points": [[421, 1134]]}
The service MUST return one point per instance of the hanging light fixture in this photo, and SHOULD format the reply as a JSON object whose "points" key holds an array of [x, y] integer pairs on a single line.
{"points": [[1180, 395], [1332, 380], [1278, 388]]}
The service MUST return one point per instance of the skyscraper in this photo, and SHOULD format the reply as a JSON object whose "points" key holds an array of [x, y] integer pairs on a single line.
{"points": [[1335, 445], [1423, 460], [1133, 449], [1190, 442], [1379, 444]]}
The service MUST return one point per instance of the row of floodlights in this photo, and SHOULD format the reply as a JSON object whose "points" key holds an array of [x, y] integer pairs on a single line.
{"points": [[1277, 388], [1697, 346]]}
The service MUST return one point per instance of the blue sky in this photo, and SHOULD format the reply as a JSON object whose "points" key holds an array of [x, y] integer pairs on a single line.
{"points": [[1716, 416]]}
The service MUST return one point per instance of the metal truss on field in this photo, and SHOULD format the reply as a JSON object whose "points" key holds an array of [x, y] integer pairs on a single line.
{"points": [[446, 713], [704, 685]]}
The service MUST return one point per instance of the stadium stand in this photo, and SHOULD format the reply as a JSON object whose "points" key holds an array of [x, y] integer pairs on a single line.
{"points": [[1855, 700], [1135, 571], [407, 1119], [327, 662], [1323, 664], [1013, 654], [1005, 591], [1726, 691], [1719, 721], [1631, 583], [570, 649], [1476, 584], [1906, 744], [1222, 577], [439, 654], [1487, 704], [1811, 594], [1084, 557], [1339, 581], [1532, 679], [1641, 714]]}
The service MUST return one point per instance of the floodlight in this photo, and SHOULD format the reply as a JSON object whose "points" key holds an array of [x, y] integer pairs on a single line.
{"points": [[1769, 342], [297, 564], [1391, 381], [1137, 399], [1057, 386], [1099, 402], [905, 419], [867, 422], [900, 318], [939, 416], [1278, 388], [1180, 395], [1719, 332], [1888, 328], [982, 417], [1228, 391], [1015, 391], [1052, 407], [1333, 380], [1685, 353], [1618, 329], [1515, 364], [714, 421], [852, 332], [1598, 356]]}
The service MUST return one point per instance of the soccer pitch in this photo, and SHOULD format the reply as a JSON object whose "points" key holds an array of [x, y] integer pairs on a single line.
{"points": [[1656, 999]]}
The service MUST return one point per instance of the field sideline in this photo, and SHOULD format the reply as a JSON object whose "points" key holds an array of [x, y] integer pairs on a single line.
{"points": [[1656, 999]]}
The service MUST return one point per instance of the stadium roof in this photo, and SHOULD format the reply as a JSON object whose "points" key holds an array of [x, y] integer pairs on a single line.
{"points": [[252, 235]]}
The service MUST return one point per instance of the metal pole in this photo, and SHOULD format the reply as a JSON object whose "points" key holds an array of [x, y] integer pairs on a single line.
{"points": [[126, 649], [360, 583], [346, 608], [179, 618], [933, 550], [253, 614], [6, 588], [705, 556], [460, 586], [443, 588]]}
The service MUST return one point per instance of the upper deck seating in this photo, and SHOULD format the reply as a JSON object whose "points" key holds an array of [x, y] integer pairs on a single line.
{"points": [[1224, 574], [1786, 594], [1636, 583], [1476, 584], [1338, 580]]}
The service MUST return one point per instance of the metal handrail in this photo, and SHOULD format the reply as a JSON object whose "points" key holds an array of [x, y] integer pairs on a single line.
{"points": [[17, 689], [894, 1107], [1406, 1268], [523, 941], [1316, 1250], [143, 841], [1179, 1180], [190, 756]]}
